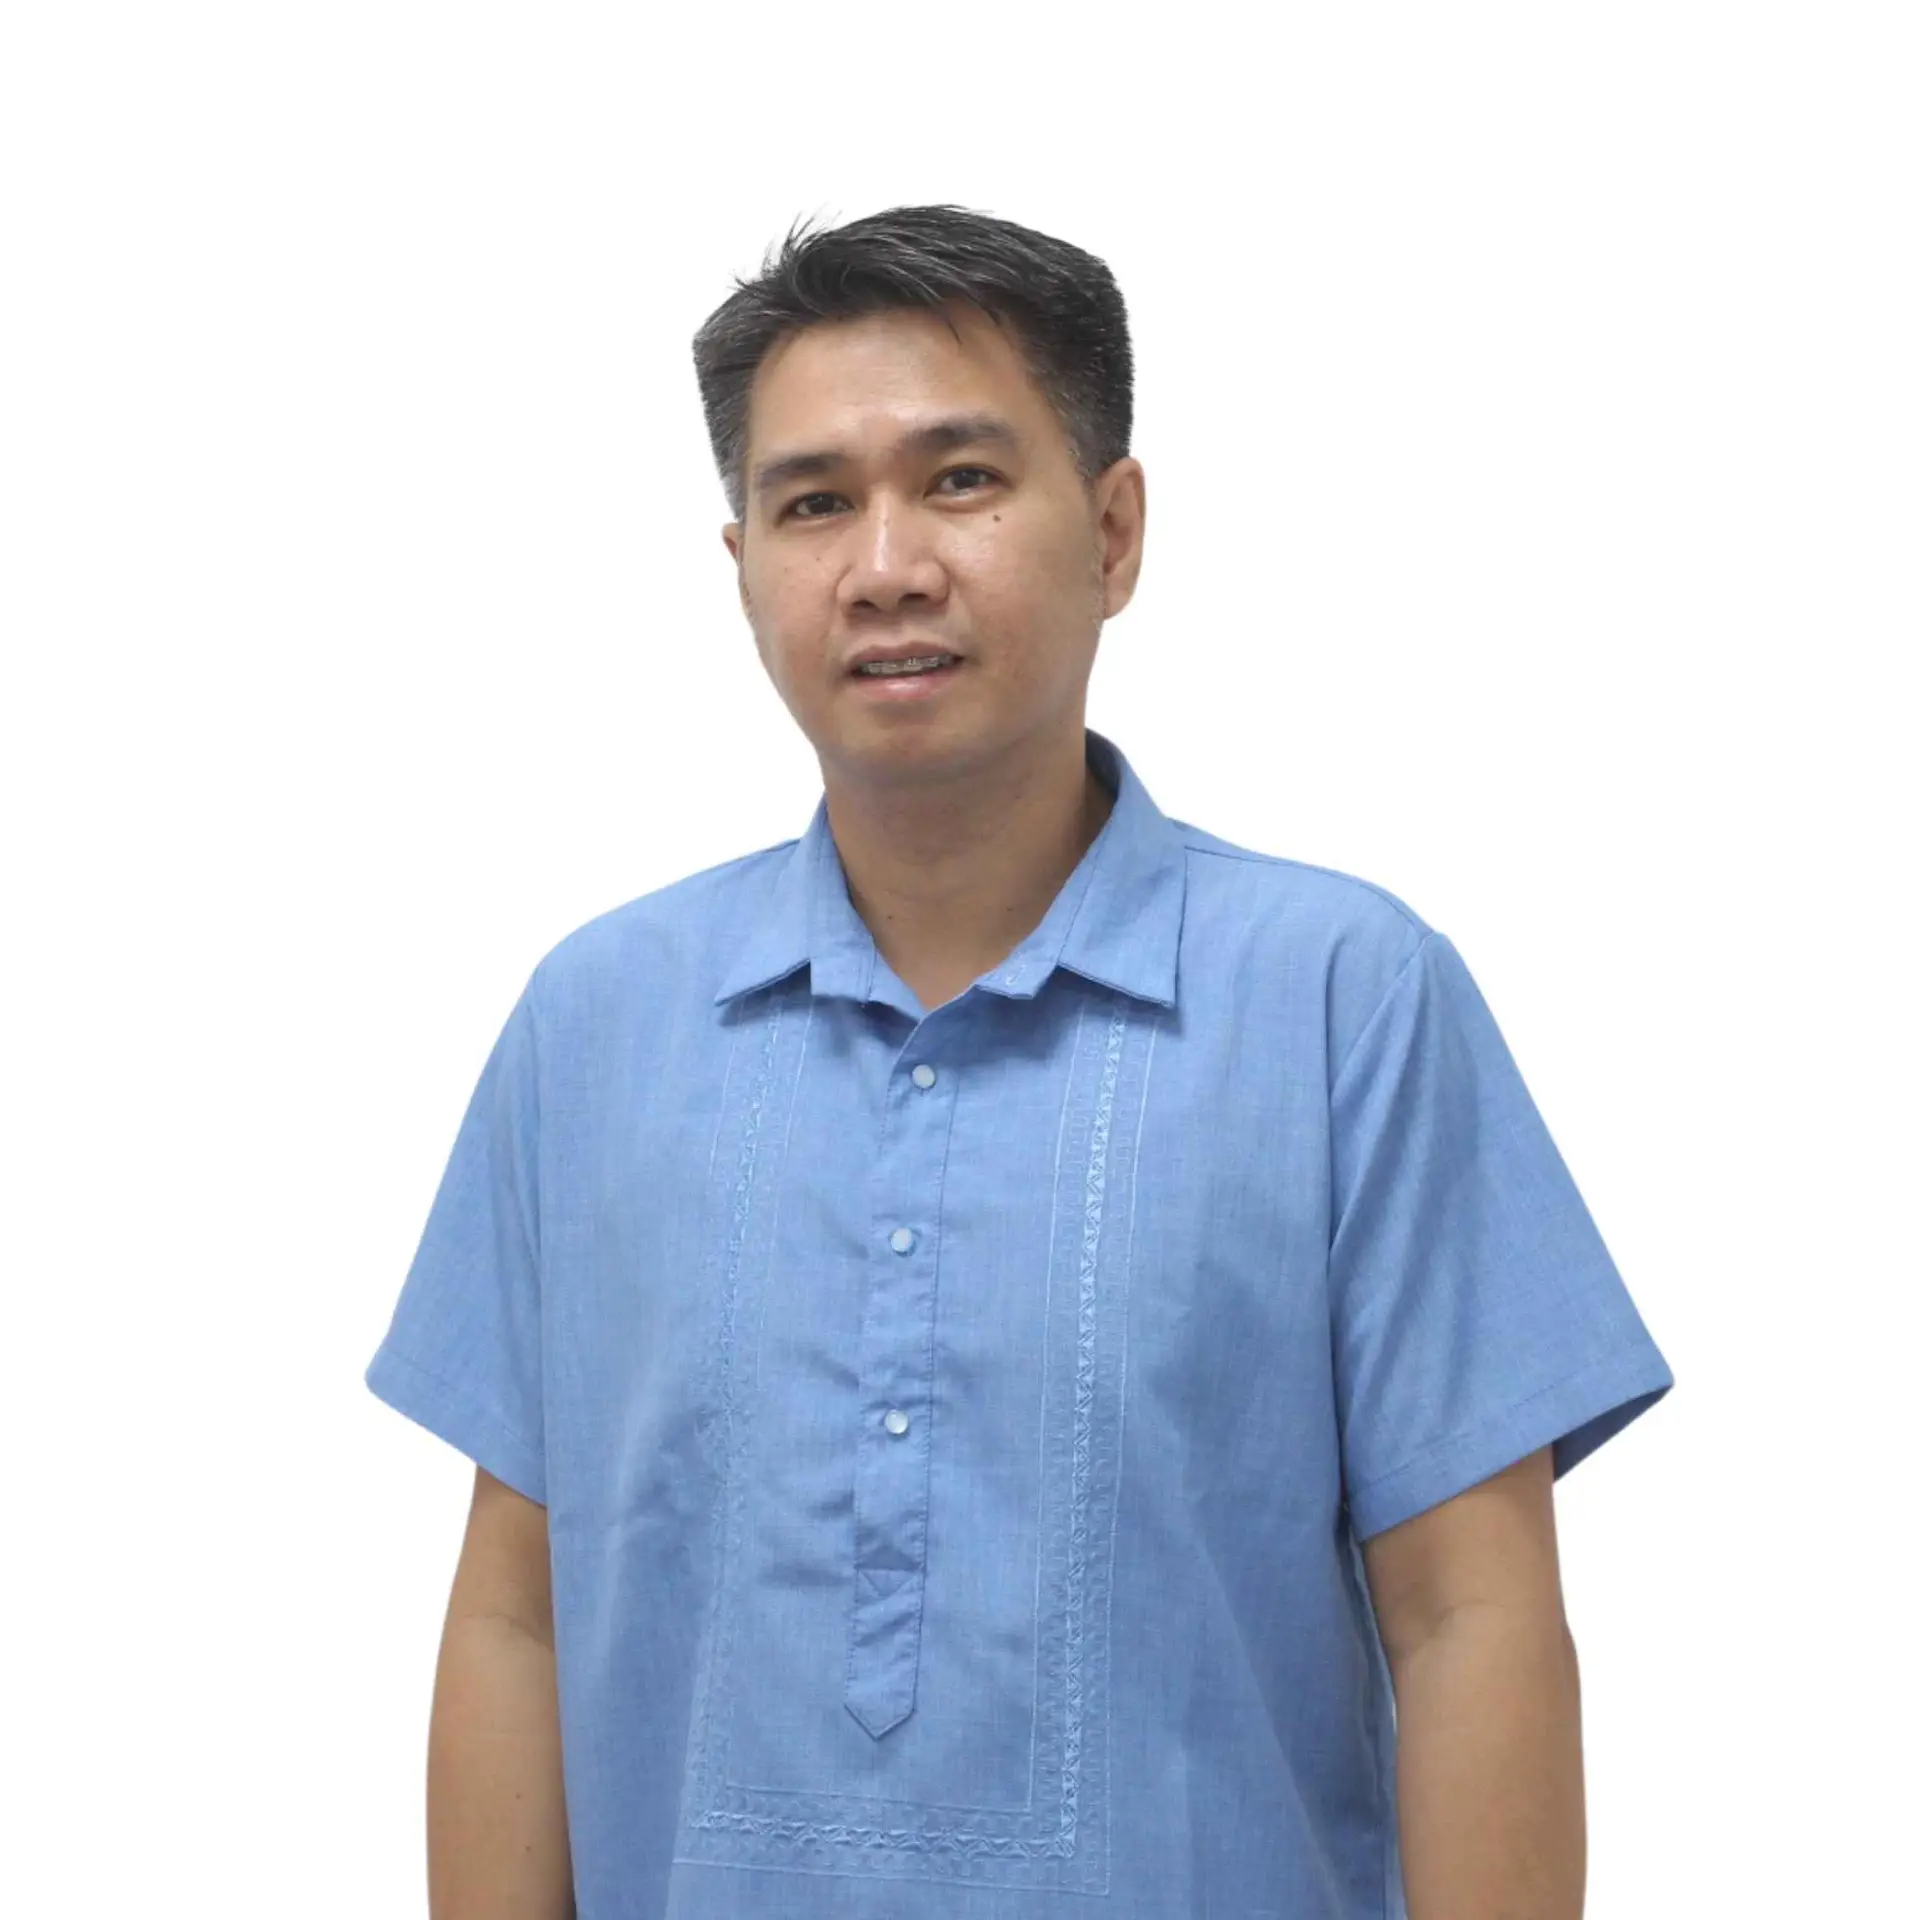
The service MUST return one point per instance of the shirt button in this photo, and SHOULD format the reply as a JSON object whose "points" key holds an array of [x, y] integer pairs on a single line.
{"points": [[924, 1076], [901, 1239], [896, 1421]]}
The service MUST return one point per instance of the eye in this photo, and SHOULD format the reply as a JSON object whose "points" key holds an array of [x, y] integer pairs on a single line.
{"points": [[793, 508]]}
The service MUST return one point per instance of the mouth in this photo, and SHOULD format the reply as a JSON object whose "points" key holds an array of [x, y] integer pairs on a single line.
{"points": [[897, 682], [918, 666]]}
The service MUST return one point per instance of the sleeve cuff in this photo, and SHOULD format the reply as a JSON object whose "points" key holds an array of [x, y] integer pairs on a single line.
{"points": [[459, 1420], [1577, 1414]]}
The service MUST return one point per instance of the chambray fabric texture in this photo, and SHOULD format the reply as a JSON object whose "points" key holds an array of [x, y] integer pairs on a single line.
{"points": [[957, 1429]]}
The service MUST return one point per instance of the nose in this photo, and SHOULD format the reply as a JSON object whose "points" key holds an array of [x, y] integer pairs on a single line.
{"points": [[891, 559]]}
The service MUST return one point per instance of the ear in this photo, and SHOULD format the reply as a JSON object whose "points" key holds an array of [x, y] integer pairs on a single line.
{"points": [[1121, 504], [733, 536]]}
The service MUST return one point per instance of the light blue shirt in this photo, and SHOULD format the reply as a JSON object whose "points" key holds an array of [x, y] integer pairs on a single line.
{"points": [[956, 1429]]}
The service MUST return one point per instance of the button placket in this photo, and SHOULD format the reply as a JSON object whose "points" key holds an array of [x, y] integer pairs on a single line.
{"points": [[891, 1451]]}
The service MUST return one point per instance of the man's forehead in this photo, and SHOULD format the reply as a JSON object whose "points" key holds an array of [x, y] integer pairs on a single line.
{"points": [[889, 384], [842, 376]]}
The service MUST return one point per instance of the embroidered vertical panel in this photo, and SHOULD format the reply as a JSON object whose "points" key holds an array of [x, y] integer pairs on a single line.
{"points": [[844, 1802]]}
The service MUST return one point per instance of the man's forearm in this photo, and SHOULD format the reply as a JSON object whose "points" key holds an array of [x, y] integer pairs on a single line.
{"points": [[497, 1846], [1490, 1779]]}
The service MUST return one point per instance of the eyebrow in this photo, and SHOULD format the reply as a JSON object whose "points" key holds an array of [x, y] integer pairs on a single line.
{"points": [[939, 436]]}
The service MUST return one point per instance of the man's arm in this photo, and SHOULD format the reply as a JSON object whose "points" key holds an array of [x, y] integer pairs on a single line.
{"points": [[497, 1846], [1487, 1689]]}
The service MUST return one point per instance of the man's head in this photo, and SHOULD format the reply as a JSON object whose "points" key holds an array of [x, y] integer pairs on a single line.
{"points": [[1006, 540]]}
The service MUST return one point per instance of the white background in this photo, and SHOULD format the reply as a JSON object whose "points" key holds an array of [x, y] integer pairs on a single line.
{"points": [[1528, 402]]}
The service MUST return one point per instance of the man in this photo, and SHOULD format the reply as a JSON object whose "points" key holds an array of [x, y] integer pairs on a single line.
{"points": [[1000, 1337]]}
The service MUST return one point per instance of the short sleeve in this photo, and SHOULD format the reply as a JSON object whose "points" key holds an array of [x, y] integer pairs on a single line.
{"points": [[462, 1355], [1476, 1313]]}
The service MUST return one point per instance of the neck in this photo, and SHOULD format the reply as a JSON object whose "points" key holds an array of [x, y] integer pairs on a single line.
{"points": [[951, 877]]}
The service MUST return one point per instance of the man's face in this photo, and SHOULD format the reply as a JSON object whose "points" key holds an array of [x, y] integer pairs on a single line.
{"points": [[986, 546]]}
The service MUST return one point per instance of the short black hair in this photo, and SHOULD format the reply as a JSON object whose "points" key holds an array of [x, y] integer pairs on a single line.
{"points": [[1063, 306]]}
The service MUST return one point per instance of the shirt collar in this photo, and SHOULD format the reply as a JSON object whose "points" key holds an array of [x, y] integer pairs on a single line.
{"points": [[1116, 920]]}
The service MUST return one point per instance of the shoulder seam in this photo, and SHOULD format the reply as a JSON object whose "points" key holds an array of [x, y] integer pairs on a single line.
{"points": [[1367, 1026], [638, 900], [1253, 858]]}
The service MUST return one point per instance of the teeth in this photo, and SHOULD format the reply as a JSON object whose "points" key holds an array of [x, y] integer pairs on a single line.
{"points": [[919, 665]]}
